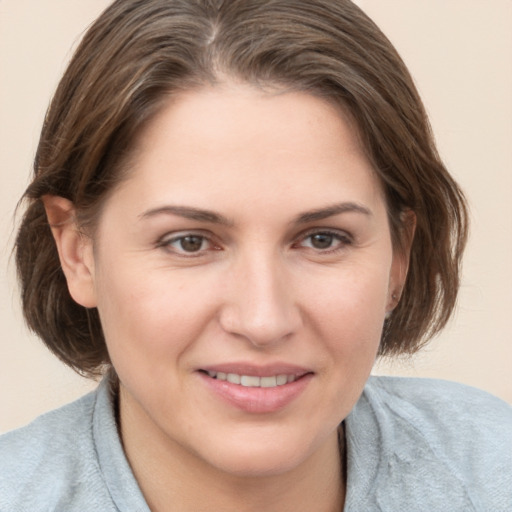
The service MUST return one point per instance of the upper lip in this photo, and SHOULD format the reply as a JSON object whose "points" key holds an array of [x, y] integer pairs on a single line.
{"points": [[268, 370]]}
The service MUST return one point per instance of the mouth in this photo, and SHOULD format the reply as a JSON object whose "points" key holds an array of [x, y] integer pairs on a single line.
{"points": [[256, 389], [253, 381]]}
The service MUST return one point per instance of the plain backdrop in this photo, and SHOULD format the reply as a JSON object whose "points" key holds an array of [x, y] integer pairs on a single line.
{"points": [[460, 54]]}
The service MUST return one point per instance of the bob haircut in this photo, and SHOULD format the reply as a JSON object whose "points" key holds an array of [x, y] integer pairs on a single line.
{"points": [[139, 53]]}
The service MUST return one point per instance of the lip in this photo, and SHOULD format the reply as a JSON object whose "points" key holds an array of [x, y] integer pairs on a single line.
{"points": [[258, 371], [256, 400]]}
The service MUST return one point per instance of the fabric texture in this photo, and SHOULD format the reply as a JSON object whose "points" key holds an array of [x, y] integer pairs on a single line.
{"points": [[412, 445]]}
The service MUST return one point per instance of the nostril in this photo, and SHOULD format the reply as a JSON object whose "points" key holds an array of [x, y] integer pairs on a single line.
{"points": [[272, 329]]}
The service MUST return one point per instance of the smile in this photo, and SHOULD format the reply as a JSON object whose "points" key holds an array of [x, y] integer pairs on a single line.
{"points": [[256, 390], [253, 381]]}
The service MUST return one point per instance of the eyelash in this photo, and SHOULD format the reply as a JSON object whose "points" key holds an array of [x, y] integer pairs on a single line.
{"points": [[166, 243], [343, 238]]}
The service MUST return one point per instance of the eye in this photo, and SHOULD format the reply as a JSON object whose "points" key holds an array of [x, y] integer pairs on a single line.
{"points": [[191, 244], [325, 241], [321, 240]]}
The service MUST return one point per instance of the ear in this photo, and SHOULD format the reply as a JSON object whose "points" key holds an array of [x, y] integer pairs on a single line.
{"points": [[401, 256], [75, 249]]}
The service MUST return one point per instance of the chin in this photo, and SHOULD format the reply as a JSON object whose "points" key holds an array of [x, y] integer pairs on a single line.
{"points": [[261, 463], [263, 454]]}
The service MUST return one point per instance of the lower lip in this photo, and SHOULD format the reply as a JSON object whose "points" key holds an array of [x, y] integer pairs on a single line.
{"points": [[254, 399]]}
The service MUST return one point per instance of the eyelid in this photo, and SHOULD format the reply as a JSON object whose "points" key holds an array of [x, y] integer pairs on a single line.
{"points": [[166, 240], [342, 233], [344, 237]]}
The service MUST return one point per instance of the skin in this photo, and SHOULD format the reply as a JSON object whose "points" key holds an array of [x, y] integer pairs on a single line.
{"points": [[266, 282]]}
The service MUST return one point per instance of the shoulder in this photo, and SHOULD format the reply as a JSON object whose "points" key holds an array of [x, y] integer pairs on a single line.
{"points": [[443, 408], [454, 437], [43, 465]]}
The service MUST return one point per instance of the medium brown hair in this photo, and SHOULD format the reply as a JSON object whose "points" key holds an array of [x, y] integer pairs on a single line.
{"points": [[139, 52]]}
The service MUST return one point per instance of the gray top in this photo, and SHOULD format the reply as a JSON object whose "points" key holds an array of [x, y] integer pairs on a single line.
{"points": [[412, 445]]}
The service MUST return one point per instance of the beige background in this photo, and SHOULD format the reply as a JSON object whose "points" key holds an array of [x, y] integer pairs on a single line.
{"points": [[460, 53]]}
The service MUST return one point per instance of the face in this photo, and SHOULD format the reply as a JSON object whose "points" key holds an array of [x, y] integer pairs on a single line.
{"points": [[242, 273]]}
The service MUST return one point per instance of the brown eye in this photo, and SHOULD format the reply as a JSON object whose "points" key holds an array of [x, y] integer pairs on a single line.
{"points": [[321, 240], [191, 243], [325, 241], [187, 244]]}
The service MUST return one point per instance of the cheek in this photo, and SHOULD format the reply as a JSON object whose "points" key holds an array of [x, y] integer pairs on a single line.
{"points": [[348, 319], [149, 316], [349, 311], [355, 291]]}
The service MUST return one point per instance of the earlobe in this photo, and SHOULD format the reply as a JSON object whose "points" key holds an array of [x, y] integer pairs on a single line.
{"points": [[74, 248]]}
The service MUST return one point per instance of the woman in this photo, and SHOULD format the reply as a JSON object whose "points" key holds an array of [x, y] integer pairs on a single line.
{"points": [[237, 206]]}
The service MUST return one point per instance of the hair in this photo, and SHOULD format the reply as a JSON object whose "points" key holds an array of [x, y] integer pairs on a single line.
{"points": [[139, 53]]}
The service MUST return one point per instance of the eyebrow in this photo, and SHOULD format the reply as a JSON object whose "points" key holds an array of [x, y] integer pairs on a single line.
{"points": [[201, 215], [197, 214], [331, 211]]}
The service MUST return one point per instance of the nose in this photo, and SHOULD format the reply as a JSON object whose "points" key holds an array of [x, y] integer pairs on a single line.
{"points": [[260, 304]]}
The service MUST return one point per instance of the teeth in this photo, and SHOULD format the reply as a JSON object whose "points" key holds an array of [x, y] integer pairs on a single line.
{"points": [[251, 381], [281, 379], [268, 382], [233, 378]]}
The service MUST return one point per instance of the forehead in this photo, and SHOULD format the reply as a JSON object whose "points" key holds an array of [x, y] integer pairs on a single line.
{"points": [[239, 141]]}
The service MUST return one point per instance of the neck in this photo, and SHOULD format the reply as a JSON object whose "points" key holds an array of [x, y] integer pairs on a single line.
{"points": [[173, 478]]}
